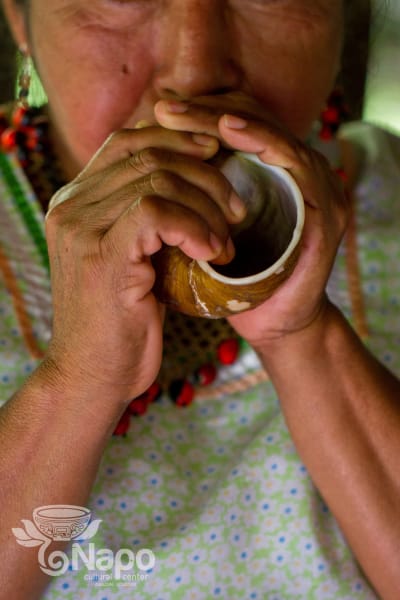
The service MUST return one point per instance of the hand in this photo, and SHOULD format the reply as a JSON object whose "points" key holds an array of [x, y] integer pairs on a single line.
{"points": [[144, 187], [238, 122]]}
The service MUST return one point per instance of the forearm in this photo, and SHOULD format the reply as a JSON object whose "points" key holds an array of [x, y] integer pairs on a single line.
{"points": [[52, 442], [343, 411]]}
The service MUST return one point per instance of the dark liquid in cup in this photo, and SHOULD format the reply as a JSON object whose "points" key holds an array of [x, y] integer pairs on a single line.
{"points": [[266, 232], [254, 253]]}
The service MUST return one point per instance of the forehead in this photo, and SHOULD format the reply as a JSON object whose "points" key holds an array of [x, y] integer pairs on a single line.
{"points": [[308, 5], [273, 21], [251, 10]]}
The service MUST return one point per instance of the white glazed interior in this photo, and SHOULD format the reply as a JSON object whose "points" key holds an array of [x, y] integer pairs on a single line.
{"points": [[285, 181]]}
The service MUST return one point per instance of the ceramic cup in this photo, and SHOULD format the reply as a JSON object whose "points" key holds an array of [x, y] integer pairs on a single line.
{"points": [[267, 246]]}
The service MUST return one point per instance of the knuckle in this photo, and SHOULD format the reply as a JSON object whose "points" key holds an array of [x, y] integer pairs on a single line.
{"points": [[67, 217], [164, 183], [116, 137], [145, 160], [65, 222], [147, 209], [58, 213]]}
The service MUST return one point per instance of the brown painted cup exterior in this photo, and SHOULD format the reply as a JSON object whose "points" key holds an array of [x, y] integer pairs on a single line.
{"points": [[267, 247]]}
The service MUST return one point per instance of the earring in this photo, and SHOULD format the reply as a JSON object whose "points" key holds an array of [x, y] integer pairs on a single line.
{"points": [[24, 133], [24, 79], [333, 115]]}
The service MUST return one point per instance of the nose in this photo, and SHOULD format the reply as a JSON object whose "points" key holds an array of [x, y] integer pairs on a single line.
{"points": [[194, 51]]}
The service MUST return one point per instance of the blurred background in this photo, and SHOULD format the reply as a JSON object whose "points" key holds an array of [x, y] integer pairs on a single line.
{"points": [[382, 98]]}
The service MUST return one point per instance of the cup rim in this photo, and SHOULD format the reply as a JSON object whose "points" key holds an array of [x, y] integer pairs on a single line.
{"points": [[278, 266]]}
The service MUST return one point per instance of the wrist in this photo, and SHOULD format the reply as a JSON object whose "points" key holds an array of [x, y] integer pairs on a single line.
{"points": [[95, 381], [56, 398], [317, 336]]}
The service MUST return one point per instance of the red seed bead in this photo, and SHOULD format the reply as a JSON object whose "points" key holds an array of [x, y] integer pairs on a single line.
{"points": [[32, 137], [186, 396], [331, 115], [153, 392], [138, 406], [18, 116], [206, 374], [123, 424], [8, 140], [181, 392], [228, 351]]}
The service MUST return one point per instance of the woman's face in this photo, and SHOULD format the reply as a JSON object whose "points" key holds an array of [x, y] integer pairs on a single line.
{"points": [[105, 63]]}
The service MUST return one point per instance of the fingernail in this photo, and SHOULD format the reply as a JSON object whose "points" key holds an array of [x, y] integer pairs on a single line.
{"points": [[234, 122], [215, 243], [174, 106], [237, 206], [204, 140]]}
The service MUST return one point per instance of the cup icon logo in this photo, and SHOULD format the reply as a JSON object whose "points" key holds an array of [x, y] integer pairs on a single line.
{"points": [[55, 522], [62, 522]]}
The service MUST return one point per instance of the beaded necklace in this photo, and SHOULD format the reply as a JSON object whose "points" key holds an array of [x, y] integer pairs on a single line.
{"points": [[25, 132]]}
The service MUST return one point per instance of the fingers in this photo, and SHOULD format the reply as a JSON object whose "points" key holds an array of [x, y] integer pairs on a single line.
{"points": [[146, 153], [185, 116], [325, 203], [96, 200], [247, 128], [122, 144], [268, 142], [151, 221], [310, 169], [148, 184], [201, 114], [158, 171], [241, 130], [99, 217]]}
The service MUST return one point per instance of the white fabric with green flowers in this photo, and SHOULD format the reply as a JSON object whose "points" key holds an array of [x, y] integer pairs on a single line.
{"points": [[216, 490]]}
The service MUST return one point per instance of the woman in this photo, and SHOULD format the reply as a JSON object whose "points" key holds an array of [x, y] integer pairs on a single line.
{"points": [[217, 491]]}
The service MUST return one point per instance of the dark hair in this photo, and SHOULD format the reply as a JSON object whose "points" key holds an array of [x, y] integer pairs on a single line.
{"points": [[357, 26], [7, 61]]}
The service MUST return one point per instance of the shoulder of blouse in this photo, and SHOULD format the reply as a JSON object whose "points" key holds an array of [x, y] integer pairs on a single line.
{"points": [[368, 143]]}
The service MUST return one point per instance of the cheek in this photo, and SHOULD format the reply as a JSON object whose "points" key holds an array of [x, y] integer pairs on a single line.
{"points": [[296, 101], [93, 89], [292, 74]]}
